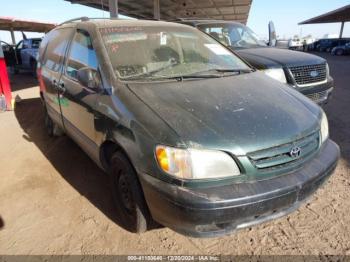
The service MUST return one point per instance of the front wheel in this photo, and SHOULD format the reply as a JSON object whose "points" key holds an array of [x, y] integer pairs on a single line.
{"points": [[128, 195]]}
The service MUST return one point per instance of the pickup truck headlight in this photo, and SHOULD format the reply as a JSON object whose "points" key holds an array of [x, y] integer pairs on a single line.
{"points": [[195, 164], [324, 128], [276, 73], [327, 70]]}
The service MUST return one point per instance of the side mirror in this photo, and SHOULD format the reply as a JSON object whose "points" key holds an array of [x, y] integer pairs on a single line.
{"points": [[89, 78]]}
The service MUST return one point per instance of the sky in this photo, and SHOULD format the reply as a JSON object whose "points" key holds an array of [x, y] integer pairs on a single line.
{"points": [[285, 14]]}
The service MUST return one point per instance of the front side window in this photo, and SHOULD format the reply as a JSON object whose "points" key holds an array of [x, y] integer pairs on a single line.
{"points": [[232, 35], [57, 42], [19, 45], [163, 52], [82, 54]]}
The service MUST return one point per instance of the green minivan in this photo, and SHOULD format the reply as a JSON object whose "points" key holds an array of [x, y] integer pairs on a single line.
{"points": [[192, 137]]}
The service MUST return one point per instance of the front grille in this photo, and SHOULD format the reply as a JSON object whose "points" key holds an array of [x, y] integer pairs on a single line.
{"points": [[280, 156], [320, 96], [310, 74]]}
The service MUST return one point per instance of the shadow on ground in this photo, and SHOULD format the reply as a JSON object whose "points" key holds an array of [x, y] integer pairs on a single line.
{"points": [[67, 158], [2, 224], [22, 80]]}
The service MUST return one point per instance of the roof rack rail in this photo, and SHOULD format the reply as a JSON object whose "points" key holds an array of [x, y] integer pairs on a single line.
{"points": [[82, 18], [192, 18], [85, 18]]}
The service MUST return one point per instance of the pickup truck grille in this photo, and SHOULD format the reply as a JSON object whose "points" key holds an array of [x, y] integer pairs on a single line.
{"points": [[280, 156], [310, 74]]}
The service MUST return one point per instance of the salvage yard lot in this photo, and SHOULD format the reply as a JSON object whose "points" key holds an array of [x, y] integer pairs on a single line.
{"points": [[55, 200]]}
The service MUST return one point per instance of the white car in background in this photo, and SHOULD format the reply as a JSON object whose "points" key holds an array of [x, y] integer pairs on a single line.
{"points": [[295, 44]]}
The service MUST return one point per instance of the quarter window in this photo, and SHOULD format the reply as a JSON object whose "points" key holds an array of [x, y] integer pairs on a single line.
{"points": [[82, 54]]}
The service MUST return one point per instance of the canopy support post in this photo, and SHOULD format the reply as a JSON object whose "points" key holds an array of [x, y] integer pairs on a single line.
{"points": [[113, 8], [341, 30], [156, 10], [13, 36]]}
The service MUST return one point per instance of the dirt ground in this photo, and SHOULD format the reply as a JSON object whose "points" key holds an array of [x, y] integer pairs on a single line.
{"points": [[55, 200]]}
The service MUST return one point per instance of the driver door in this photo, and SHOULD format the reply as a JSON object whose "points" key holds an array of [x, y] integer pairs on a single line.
{"points": [[78, 101]]}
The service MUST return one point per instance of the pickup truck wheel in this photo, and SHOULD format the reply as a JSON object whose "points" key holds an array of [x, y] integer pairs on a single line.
{"points": [[339, 52], [127, 195]]}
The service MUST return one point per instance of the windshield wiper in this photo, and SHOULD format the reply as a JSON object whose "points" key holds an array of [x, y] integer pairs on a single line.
{"points": [[223, 70], [169, 64], [208, 74]]}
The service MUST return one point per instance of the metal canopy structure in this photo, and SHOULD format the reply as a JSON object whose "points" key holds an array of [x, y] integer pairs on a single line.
{"points": [[13, 24], [340, 15], [8, 23], [236, 10]]}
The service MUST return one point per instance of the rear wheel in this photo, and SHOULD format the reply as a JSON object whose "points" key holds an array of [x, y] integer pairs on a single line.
{"points": [[339, 52], [49, 125], [128, 196], [52, 128]]}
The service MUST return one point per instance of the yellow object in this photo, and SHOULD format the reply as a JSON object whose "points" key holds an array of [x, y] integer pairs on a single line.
{"points": [[13, 104], [162, 158]]}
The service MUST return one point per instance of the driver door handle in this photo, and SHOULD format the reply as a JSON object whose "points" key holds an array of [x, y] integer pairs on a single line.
{"points": [[61, 88]]}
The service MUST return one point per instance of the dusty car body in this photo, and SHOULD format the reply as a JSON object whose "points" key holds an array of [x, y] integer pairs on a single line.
{"points": [[309, 74], [191, 136]]}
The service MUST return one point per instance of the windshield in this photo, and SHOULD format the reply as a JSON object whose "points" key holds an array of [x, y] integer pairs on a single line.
{"points": [[165, 52], [232, 35]]}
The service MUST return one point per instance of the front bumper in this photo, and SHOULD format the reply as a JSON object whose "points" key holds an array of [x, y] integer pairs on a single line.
{"points": [[319, 93], [206, 212]]}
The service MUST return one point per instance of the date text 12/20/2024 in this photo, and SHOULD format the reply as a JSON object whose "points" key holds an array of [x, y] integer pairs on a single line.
{"points": [[173, 258]]}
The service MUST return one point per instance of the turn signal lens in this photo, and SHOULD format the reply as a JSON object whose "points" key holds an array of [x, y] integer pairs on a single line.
{"points": [[163, 159], [174, 161]]}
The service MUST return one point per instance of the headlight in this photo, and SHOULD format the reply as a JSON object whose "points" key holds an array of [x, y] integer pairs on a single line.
{"points": [[276, 73], [324, 128], [195, 164], [327, 70]]}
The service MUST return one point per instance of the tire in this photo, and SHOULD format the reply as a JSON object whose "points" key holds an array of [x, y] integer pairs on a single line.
{"points": [[49, 124], [339, 52], [128, 195], [52, 128]]}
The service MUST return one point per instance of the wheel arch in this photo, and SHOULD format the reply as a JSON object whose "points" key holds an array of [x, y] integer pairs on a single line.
{"points": [[107, 148]]}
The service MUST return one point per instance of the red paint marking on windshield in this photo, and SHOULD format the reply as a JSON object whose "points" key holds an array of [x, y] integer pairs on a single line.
{"points": [[124, 29]]}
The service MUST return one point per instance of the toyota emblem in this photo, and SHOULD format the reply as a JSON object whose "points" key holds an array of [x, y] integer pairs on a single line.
{"points": [[295, 152]]}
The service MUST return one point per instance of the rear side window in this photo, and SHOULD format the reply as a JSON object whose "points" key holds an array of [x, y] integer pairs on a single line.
{"points": [[58, 41], [82, 54]]}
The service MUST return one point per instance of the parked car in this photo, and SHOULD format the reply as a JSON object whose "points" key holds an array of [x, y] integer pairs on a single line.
{"points": [[309, 74], [295, 44], [341, 50], [326, 45], [24, 55], [191, 136]]}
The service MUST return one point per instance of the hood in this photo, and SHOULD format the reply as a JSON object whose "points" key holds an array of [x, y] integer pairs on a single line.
{"points": [[267, 57], [239, 114]]}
